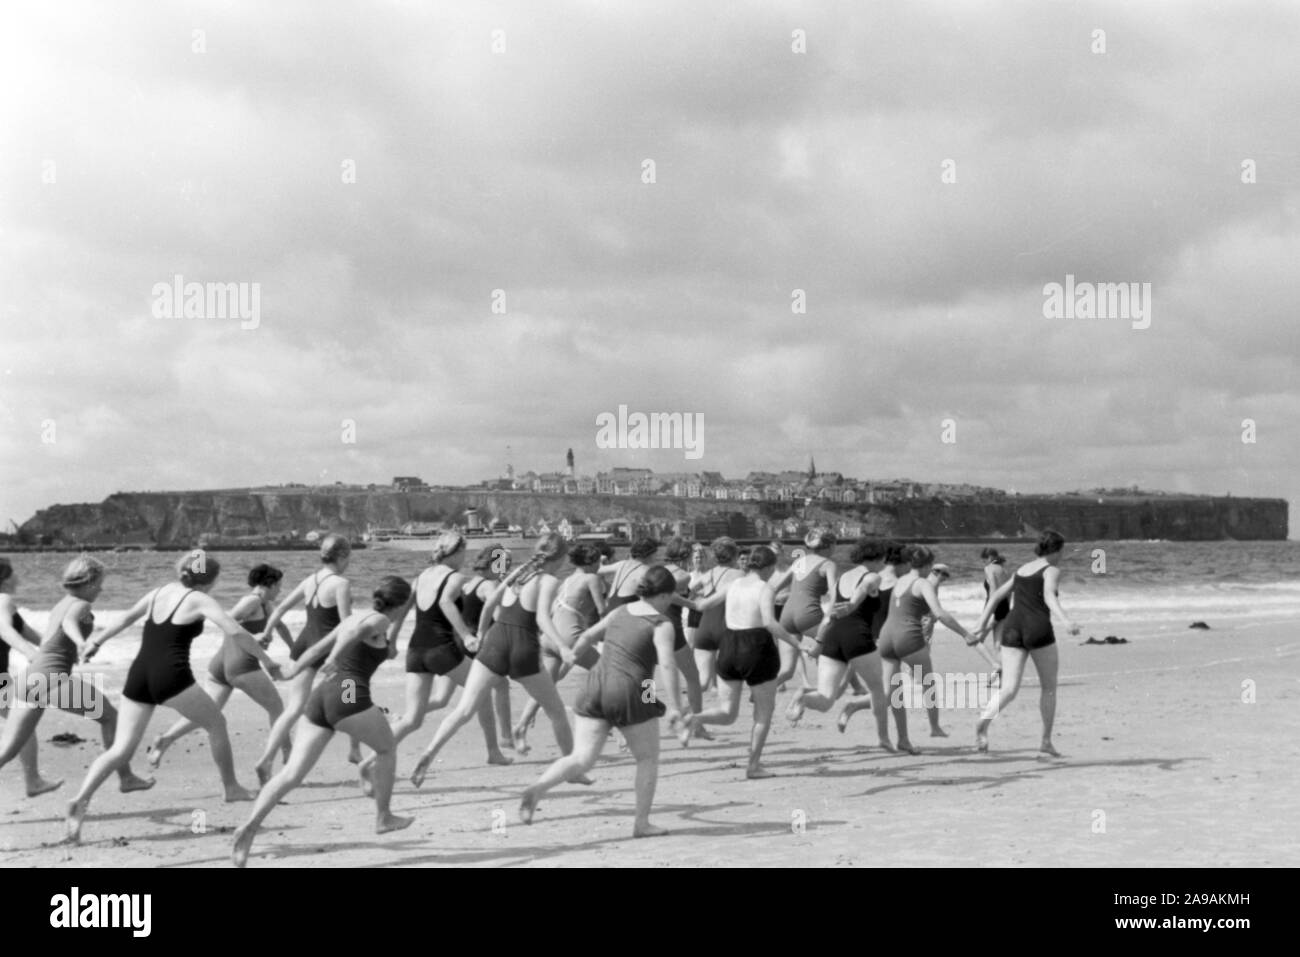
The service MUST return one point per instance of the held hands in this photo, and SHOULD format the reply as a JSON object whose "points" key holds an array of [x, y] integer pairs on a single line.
{"points": [[89, 649], [329, 669], [265, 640], [472, 643], [566, 655], [273, 669]]}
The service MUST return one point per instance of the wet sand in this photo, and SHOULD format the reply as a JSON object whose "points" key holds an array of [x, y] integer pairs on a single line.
{"points": [[1164, 765]]}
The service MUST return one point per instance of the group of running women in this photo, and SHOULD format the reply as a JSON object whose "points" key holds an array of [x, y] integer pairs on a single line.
{"points": [[652, 636]]}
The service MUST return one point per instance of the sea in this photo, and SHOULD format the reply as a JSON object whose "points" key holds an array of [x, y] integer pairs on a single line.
{"points": [[1131, 589]]}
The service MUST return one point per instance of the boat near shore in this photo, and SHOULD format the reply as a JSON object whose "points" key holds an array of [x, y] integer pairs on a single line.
{"points": [[417, 537]]}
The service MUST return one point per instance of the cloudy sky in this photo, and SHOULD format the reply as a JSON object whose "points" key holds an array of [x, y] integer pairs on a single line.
{"points": [[133, 150]]}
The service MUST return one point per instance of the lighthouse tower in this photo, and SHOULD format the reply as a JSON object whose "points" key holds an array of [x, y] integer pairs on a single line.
{"points": [[569, 459]]}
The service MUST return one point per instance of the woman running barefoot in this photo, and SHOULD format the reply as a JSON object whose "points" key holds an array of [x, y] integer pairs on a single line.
{"points": [[238, 665], [626, 575], [329, 600], [748, 655], [513, 647], [713, 624], [50, 682], [17, 635], [894, 567], [341, 702], [491, 564], [173, 617], [1027, 633], [579, 604], [676, 555], [436, 647], [902, 641], [620, 693], [849, 642], [995, 576], [811, 578]]}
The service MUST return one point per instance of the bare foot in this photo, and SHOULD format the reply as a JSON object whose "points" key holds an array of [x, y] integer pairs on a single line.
{"points": [[421, 770], [842, 722], [238, 793], [519, 736], [527, 806], [263, 774], [909, 747], [153, 757], [703, 733], [243, 844], [496, 757], [367, 781], [1047, 751], [689, 727], [758, 771], [43, 786], [506, 744], [887, 745], [393, 822], [354, 754], [648, 830], [981, 739], [938, 732], [76, 815], [582, 779], [796, 709], [134, 783]]}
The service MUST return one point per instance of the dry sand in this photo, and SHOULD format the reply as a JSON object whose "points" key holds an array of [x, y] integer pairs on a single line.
{"points": [[1165, 765]]}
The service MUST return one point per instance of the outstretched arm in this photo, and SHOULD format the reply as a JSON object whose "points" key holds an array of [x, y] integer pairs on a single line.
{"points": [[130, 618], [931, 596], [213, 612], [289, 601], [995, 599]]}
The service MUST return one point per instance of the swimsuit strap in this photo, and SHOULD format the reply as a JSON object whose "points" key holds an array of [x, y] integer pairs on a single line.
{"points": [[320, 581], [177, 607]]}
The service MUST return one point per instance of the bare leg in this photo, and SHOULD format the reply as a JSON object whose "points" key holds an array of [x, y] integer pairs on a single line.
{"points": [[477, 686], [1047, 663], [294, 706], [929, 683], [307, 747], [192, 703], [764, 708], [543, 691], [20, 722], [129, 730], [78, 696], [686, 666], [643, 742], [501, 704], [519, 734], [589, 739], [892, 680], [371, 728], [1013, 669], [218, 692], [830, 681], [726, 712]]}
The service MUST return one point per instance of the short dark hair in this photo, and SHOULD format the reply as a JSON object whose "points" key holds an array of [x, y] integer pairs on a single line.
{"points": [[1050, 542], [866, 550], [264, 575]]}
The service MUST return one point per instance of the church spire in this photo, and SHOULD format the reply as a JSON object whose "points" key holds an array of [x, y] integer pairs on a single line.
{"points": [[812, 467]]}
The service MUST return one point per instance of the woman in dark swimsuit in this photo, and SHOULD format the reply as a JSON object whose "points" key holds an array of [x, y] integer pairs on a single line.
{"points": [[1027, 633], [17, 635], [713, 623], [579, 604], [621, 693], [436, 651], [491, 565], [848, 642], [235, 668], [329, 600], [626, 575], [894, 567], [173, 617], [515, 631], [341, 702]]}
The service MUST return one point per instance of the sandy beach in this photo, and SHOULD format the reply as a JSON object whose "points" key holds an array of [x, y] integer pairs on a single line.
{"points": [[1164, 765]]}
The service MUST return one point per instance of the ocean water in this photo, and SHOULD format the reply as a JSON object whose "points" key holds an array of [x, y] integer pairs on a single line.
{"points": [[1147, 588]]}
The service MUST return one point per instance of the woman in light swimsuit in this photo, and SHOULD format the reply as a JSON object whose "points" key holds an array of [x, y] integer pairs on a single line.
{"points": [[625, 575], [810, 578]]}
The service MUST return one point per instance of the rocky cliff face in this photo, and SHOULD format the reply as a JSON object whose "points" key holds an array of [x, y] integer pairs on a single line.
{"points": [[182, 518]]}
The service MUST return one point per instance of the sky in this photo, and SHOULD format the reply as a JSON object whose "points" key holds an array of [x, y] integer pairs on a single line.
{"points": [[921, 171]]}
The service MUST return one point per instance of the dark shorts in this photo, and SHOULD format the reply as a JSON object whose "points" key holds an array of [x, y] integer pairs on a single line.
{"points": [[693, 618], [1031, 639], [749, 656], [848, 638], [438, 660], [329, 704], [1003, 609], [152, 684], [511, 651], [618, 699]]}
